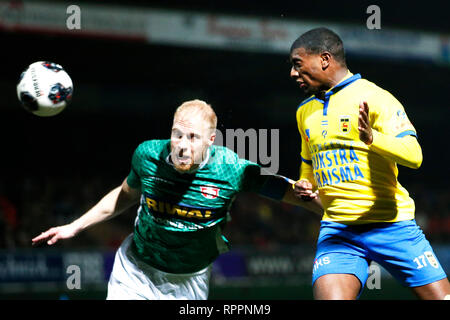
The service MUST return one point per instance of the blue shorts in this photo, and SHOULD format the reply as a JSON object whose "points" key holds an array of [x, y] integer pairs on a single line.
{"points": [[400, 247]]}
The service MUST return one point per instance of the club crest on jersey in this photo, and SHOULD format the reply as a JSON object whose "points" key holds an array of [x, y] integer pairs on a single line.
{"points": [[210, 192], [344, 124]]}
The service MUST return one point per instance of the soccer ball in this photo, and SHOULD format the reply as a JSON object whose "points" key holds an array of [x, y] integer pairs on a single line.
{"points": [[44, 88]]}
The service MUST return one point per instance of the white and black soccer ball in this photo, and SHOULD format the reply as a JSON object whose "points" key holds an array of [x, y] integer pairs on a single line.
{"points": [[45, 88]]}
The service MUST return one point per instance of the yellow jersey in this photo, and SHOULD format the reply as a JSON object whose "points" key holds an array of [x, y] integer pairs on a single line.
{"points": [[355, 183]]}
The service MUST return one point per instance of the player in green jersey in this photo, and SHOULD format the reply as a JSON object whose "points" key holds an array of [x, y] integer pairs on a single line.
{"points": [[186, 186]]}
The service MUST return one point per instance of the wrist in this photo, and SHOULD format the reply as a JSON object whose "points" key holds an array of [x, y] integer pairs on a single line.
{"points": [[373, 137], [77, 226]]}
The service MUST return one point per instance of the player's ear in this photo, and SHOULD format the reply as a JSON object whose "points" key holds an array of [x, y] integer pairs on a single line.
{"points": [[325, 59], [212, 137]]}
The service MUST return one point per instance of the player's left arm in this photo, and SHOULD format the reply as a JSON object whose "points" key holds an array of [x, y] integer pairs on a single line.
{"points": [[280, 188], [276, 187], [112, 204], [312, 204], [402, 148]]}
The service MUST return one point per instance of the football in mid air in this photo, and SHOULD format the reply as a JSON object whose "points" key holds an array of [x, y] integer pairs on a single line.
{"points": [[44, 88]]}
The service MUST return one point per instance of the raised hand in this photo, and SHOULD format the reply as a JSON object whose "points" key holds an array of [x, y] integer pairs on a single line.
{"points": [[365, 131]]}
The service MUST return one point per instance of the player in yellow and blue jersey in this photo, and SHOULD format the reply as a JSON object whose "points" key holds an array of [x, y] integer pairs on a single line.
{"points": [[353, 135]]}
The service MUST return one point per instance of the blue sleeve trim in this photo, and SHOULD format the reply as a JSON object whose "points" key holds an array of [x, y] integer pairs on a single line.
{"points": [[406, 133], [306, 161]]}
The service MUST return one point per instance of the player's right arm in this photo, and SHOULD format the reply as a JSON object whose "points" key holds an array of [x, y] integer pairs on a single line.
{"points": [[111, 205], [399, 145], [306, 186]]}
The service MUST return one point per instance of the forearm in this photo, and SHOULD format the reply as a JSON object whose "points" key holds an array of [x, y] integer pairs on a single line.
{"points": [[279, 188], [306, 173], [111, 205], [405, 151]]}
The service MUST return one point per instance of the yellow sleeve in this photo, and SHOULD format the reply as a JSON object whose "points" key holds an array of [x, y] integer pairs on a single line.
{"points": [[306, 173], [405, 151], [394, 136], [388, 116], [306, 168]]}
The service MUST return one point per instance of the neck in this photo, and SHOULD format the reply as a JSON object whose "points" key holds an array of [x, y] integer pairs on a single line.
{"points": [[332, 81]]}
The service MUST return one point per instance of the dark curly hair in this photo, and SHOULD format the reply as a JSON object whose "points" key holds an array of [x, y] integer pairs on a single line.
{"points": [[319, 40]]}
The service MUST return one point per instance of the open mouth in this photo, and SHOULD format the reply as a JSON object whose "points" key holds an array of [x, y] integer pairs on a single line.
{"points": [[183, 159]]}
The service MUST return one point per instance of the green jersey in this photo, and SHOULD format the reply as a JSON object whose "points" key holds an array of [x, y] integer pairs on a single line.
{"points": [[181, 215]]}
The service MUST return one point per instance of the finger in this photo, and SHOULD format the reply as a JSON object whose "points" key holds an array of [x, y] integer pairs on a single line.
{"points": [[314, 195], [35, 241], [38, 241], [302, 191], [363, 121], [306, 198], [364, 109], [304, 184], [42, 236], [53, 240], [364, 105], [45, 235], [301, 195]]}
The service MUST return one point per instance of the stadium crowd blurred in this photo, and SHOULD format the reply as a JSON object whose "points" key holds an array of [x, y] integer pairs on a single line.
{"points": [[39, 203]]}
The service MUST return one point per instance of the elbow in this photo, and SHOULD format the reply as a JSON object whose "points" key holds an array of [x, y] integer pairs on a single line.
{"points": [[416, 165], [417, 161], [416, 155]]}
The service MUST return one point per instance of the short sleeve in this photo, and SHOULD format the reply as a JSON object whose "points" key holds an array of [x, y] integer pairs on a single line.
{"points": [[253, 179], [264, 183], [389, 116]]}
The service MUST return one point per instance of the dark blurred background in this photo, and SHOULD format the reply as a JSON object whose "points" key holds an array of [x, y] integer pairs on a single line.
{"points": [[54, 169]]}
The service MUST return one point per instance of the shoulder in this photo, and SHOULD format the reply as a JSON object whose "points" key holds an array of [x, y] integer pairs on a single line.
{"points": [[302, 108], [238, 172], [373, 91], [304, 102], [224, 156], [152, 148], [379, 99]]}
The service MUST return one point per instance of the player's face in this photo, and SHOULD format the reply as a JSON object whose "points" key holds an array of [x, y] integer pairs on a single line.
{"points": [[307, 71], [190, 139]]}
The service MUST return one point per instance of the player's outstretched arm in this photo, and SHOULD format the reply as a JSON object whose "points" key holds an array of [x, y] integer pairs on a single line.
{"points": [[280, 188], [111, 205], [302, 195]]}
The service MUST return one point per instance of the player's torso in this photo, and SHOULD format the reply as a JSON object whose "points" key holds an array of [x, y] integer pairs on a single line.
{"points": [[181, 215], [198, 199], [355, 183]]}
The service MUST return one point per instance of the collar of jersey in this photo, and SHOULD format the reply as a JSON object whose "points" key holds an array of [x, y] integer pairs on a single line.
{"points": [[349, 78], [202, 164]]}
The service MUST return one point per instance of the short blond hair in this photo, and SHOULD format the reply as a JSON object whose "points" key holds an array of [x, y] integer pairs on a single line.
{"points": [[196, 107]]}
